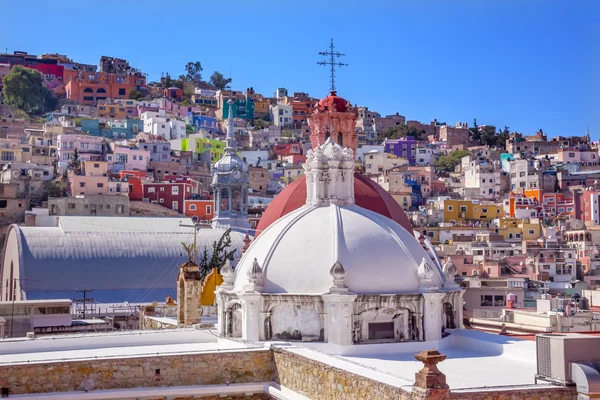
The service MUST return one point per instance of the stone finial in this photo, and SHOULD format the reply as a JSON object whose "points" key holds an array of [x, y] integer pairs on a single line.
{"points": [[255, 273], [430, 378], [338, 273], [247, 242], [255, 278], [450, 271], [425, 274], [227, 273]]}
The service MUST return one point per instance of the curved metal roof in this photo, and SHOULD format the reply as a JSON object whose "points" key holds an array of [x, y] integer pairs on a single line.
{"points": [[55, 261]]}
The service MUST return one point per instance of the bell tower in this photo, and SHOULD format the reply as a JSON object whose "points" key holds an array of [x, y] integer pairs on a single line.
{"points": [[334, 117], [230, 177]]}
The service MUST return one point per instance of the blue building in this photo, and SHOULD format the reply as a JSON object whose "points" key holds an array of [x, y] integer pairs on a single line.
{"points": [[127, 129], [203, 122]]}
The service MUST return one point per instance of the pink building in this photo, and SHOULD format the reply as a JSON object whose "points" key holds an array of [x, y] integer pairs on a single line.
{"points": [[578, 155], [129, 158], [94, 179], [89, 148], [177, 109]]}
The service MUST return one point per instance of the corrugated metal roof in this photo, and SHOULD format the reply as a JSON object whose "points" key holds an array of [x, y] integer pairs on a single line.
{"points": [[125, 224], [60, 261]]}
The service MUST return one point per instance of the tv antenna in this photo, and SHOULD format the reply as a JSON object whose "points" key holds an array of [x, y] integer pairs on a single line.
{"points": [[333, 54]]}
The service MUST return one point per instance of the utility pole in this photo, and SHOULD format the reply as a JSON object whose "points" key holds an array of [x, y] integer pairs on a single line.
{"points": [[196, 226], [332, 54], [85, 299]]}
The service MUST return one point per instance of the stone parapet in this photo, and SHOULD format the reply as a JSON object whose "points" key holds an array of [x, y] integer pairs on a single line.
{"points": [[175, 370]]}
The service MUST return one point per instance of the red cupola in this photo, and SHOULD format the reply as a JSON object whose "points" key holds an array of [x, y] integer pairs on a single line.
{"points": [[333, 116]]}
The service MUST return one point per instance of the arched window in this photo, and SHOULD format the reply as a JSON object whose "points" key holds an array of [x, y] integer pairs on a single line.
{"points": [[224, 199], [88, 90], [236, 200], [340, 139], [192, 207], [101, 90]]}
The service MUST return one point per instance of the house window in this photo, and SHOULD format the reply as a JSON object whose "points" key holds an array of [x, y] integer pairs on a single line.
{"points": [[71, 206], [208, 210], [122, 92], [96, 165], [450, 208], [484, 210], [81, 184], [175, 206], [162, 189], [192, 207], [463, 208], [175, 190], [100, 185], [120, 208], [161, 201], [151, 190], [531, 231]]}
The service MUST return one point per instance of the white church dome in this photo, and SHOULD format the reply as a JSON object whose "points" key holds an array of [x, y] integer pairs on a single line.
{"points": [[297, 252]]}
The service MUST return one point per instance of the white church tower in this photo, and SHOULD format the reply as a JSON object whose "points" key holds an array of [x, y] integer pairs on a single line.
{"points": [[230, 185]]}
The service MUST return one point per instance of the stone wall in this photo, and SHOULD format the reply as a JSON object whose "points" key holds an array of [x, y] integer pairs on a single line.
{"points": [[316, 380], [175, 370]]}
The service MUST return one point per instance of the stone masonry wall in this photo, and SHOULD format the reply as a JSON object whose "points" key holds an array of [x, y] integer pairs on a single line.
{"points": [[317, 381], [176, 370]]}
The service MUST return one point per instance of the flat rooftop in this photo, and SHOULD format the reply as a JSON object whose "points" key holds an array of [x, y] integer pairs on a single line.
{"points": [[475, 360]]}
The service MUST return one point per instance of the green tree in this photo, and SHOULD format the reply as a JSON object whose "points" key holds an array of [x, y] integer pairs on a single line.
{"points": [[259, 123], [193, 70], [50, 101], [75, 163], [135, 94], [399, 131], [287, 133], [449, 162], [24, 88], [221, 252], [218, 81]]}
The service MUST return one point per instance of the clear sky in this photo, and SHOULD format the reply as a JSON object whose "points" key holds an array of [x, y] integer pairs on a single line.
{"points": [[527, 64]]}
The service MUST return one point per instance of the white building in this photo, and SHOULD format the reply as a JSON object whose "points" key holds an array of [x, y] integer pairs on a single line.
{"points": [[424, 156], [177, 129], [281, 115], [303, 280], [482, 179]]}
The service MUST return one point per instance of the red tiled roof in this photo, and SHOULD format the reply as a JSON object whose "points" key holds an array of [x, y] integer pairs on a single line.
{"points": [[367, 193]]}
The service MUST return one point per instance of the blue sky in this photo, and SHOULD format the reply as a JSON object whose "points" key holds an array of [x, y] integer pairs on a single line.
{"points": [[527, 64]]}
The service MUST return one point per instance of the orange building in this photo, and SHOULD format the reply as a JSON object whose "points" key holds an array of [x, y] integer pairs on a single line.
{"points": [[545, 205], [203, 209], [89, 88]]}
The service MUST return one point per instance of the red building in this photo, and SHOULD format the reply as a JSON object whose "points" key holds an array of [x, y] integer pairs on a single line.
{"points": [[52, 72], [203, 209], [287, 149], [167, 194]]}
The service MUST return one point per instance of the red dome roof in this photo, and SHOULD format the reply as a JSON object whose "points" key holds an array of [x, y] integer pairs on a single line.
{"points": [[333, 103], [367, 194]]}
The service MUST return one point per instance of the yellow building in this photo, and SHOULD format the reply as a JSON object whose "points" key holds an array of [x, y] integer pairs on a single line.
{"points": [[212, 280], [463, 211], [112, 111], [261, 108]]}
